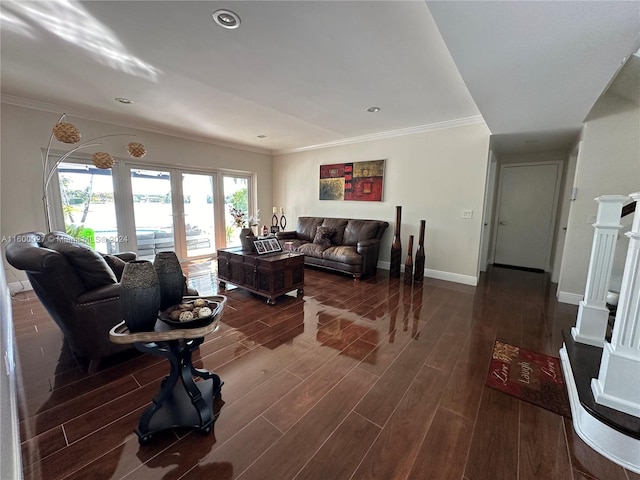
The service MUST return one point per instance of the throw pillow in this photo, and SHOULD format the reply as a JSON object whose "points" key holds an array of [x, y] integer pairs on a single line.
{"points": [[323, 236], [116, 264], [90, 266], [339, 225]]}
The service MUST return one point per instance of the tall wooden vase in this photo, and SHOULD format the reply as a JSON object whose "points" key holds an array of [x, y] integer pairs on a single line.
{"points": [[418, 275], [408, 263], [396, 247]]}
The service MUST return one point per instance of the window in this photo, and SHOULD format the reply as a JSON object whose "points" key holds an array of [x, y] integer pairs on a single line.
{"points": [[133, 207]]}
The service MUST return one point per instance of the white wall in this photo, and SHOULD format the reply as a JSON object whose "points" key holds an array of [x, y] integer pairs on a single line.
{"points": [[563, 217], [432, 175], [10, 454], [25, 132], [608, 164]]}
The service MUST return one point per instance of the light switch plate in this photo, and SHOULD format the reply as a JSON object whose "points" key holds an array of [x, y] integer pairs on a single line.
{"points": [[467, 213]]}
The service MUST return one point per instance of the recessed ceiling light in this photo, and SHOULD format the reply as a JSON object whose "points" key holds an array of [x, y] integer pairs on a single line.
{"points": [[262, 136], [373, 109], [226, 19], [123, 100]]}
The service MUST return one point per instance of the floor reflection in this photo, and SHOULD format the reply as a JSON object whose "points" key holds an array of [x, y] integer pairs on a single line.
{"points": [[375, 352]]}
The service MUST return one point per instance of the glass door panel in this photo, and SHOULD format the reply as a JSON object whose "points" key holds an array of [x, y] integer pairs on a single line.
{"points": [[152, 211], [198, 206], [88, 207], [236, 195]]}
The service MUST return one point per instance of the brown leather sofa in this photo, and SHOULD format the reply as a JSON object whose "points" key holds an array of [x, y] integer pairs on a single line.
{"points": [[78, 287], [342, 244]]}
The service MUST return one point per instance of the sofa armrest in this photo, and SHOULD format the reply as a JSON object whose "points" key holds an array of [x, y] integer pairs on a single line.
{"points": [[126, 256], [370, 250], [106, 292], [288, 235], [371, 242]]}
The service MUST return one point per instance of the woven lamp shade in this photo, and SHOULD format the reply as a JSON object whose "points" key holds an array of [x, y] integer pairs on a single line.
{"points": [[136, 150], [66, 132], [102, 160]]}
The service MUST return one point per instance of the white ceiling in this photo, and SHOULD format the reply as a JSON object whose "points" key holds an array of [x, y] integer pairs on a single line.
{"points": [[304, 72]]}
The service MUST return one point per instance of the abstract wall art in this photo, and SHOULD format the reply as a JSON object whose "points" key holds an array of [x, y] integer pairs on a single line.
{"points": [[359, 181]]}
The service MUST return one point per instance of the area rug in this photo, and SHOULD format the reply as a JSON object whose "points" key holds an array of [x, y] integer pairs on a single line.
{"points": [[533, 377]]}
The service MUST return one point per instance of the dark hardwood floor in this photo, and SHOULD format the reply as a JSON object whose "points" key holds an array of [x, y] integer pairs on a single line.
{"points": [[370, 379]]}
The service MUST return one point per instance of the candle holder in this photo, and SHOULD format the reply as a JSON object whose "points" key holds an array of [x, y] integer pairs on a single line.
{"points": [[274, 224], [283, 222], [288, 247]]}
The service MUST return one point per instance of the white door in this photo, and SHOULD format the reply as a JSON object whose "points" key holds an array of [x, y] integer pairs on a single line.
{"points": [[528, 196], [197, 230]]}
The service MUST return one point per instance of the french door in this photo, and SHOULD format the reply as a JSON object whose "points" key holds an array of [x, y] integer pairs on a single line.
{"points": [[236, 196], [198, 214], [148, 209], [173, 210]]}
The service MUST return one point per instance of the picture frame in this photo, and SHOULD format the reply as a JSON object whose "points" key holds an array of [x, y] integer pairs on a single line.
{"points": [[353, 181], [267, 245]]}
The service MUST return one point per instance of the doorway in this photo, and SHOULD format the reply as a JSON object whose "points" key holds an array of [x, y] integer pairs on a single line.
{"points": [[527, 204]]}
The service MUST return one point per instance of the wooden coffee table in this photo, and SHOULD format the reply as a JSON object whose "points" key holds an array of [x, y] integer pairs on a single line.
{"points": [[270, 275]]}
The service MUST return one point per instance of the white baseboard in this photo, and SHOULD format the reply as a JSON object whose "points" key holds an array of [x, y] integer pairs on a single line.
{"points": [[571, 298], [439, 275], [451, 277], [17, 287]]}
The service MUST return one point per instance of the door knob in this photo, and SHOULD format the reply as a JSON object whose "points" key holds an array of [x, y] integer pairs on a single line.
{"points": [[502, 223]]}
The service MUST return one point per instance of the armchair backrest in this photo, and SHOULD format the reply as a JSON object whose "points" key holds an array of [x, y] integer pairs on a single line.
{"points": [[54, 280], [44, 267], [61, 277]]}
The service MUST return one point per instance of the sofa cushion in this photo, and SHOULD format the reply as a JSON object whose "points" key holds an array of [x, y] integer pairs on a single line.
{"points": [[312, 249], [90, 266], [343, 254], [359, 230], [307, 227], [338, 224], [323, 235]]}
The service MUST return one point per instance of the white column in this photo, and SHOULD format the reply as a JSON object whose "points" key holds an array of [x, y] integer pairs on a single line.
{"points": [[618, 383], [593, 314]]}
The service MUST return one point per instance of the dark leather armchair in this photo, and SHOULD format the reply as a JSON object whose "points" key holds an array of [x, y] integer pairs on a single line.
{"points": [[79, 290]]}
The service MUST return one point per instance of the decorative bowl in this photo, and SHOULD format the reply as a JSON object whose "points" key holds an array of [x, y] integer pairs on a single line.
{"points": [[190, 306]]}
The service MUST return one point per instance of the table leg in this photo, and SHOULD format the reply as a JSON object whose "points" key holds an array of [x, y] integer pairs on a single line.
{"points": [[166, 387], [199, 403], [205, 375], [168, 408]]}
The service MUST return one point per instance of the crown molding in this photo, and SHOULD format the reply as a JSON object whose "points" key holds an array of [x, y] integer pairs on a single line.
{"points": [[460, 122], [53, 108]]}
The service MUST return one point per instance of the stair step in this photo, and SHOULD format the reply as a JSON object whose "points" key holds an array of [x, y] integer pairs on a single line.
{"points": [[585, 364]]}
